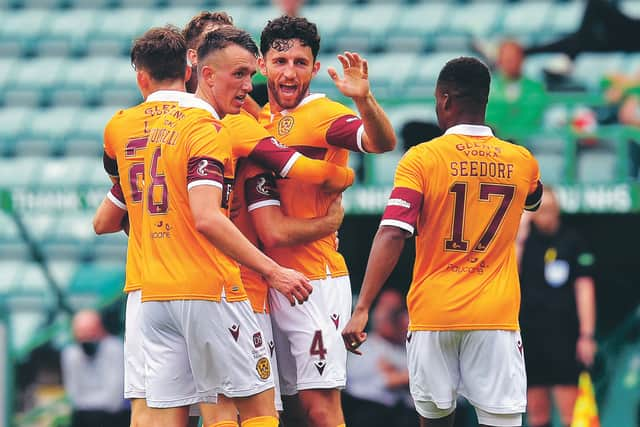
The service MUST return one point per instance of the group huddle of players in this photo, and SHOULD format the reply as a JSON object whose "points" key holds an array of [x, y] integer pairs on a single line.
{"points": [[236, 291]]}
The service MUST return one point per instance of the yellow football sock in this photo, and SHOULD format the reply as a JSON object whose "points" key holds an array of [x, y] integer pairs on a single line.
{"points": [[265, 421], [225, 424]]}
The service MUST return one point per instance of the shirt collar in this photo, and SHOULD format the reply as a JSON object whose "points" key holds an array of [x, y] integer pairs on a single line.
{"points": [[307, 99], [469, 130], [183, 99]]}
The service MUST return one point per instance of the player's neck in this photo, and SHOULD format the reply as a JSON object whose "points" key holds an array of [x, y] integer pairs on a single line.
{"points": [[207, 95], [177, 85], [467, 119]]}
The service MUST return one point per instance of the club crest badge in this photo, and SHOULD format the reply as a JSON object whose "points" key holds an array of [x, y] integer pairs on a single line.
{"points": [[263, 367], [285, 125]]}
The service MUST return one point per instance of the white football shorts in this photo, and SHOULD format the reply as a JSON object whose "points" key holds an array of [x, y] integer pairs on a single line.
{"points": [[308, 339], [264, 321], [485, 366], [134, 387], [196, 349]]}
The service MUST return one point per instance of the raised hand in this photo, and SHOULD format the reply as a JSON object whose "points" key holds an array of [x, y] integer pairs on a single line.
{"points": [[355, 83]]}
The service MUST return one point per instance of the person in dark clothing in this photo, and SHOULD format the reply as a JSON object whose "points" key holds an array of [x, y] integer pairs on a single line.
{"points": [[557, 314], [604, 28]]}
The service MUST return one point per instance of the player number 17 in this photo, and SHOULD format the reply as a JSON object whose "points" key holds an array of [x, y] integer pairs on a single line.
{"points": [[456, 241]]}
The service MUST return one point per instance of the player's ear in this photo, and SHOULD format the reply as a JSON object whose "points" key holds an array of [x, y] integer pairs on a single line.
{"points": [[316, 68], [187, 73], [142, 78], [208, 75], [446, 101], [192, 56], [262, 65]]}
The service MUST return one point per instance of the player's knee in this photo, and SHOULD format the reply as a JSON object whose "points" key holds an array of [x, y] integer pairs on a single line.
{"points": [[431, 411], [266, 421], [320, 416], [498, 420]]}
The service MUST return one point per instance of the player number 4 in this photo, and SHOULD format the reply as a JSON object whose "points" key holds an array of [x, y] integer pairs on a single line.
{"points": [[456, 241], [317, 346]]}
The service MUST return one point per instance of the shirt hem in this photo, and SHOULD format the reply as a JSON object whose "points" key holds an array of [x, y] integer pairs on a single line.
{"points": [[469, 327]]}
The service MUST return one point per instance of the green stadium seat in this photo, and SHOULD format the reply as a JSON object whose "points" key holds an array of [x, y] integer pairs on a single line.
{"points": [[21, 29], [12, 247], [7, 66], [552, 167], [47, 131], [255, 21], [67, 32], [20, 172], [533, 66], [31, 81], [589, 68], [565, 17], [630, 8], [360, 34], [596, 166], [401, 114], [111, 246], [62, 272], [9, 271], [120, 89], [95, 282], [525, 17], [80, 81], [39, 226], [86, 138], [178, 16], [425, 75], [24, 324], [474, 19], [115, 31], [67, 171], [14, 124], [390, 73], [415, 26], [329, 18]]}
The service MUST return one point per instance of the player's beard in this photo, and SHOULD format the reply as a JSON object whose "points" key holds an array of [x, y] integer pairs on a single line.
{"points": [[287, 105]]}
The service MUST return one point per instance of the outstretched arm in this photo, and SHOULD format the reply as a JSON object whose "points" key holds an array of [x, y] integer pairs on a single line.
{"points": [[385, 252], [378, 136]]}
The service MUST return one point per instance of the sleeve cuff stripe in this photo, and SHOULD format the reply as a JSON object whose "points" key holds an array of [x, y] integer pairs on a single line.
{"points": [[359, 138], [116, 201], [399, 224], [204, 182], [287, 167], [263, 204]]}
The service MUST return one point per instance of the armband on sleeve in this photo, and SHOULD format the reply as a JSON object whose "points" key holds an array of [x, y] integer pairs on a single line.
{"points": [[261, 191], [346, 132], [402, 209], [205, 171], [272, 155]]}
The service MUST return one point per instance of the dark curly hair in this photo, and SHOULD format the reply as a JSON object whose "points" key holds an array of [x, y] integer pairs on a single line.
{"points": [[466, 77], [193, 30], [225, 36], [287, 28], [162, 52]]}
